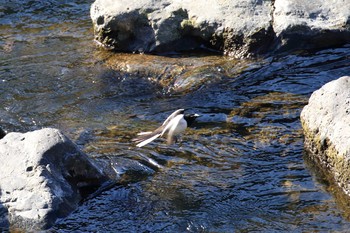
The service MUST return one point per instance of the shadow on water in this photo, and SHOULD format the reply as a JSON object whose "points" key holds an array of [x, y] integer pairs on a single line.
{"points": [[327, 183], [4, 222]]}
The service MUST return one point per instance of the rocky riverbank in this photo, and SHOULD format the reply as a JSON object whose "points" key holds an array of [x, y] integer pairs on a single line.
{"points": [[240, 28], [326, 125]]}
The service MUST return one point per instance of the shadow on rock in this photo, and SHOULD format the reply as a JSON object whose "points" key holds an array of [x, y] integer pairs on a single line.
{"points": [[43, 177]]}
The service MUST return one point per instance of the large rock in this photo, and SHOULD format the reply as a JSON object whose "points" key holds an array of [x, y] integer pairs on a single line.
{"points": [[311, 24], [239, 28], [41, 175], [326, 125]]}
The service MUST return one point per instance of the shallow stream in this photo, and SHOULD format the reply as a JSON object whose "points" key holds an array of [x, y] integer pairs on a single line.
{"points": [[242, 166]]}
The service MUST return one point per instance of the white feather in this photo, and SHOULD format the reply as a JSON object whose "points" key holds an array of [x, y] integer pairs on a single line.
{"points": [[145, 142], [173, 125], [144, 133], [172, 116]]}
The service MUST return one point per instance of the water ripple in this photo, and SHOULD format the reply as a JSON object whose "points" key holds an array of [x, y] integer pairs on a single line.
{"points": [[240, 168]]}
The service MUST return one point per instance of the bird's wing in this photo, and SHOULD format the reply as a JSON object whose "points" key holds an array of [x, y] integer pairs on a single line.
{"points": [[147, 137], [144, 138], [174, 121], [172, 116], [144, 133], [148, 140], [172, 127]]}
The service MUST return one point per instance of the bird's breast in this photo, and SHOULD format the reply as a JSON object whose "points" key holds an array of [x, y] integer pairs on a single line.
{"points": [[181, 126]]}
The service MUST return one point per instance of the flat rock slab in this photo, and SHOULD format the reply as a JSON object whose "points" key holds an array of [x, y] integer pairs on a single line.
{"points": [[238, 28], [41, 174], [326, 125]]}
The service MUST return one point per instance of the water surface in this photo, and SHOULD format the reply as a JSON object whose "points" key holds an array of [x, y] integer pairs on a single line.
{"points": [[241, 168]]}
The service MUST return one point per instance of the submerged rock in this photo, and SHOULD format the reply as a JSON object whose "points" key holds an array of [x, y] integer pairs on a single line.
{"points": [[41, 175], [168, 75], [238, 28], [326, 125]]}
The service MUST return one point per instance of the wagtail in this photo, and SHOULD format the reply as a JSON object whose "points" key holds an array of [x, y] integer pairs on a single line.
{"points": [[173, 126]]}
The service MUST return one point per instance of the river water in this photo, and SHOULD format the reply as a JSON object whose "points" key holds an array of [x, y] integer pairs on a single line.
{"points": [[241, 167]]}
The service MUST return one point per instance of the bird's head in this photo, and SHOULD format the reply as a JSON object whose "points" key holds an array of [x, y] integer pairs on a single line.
{"points": [[190, 118]]}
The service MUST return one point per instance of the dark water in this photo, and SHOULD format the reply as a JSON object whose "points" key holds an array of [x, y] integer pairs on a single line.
{"points": [[241, 168]]}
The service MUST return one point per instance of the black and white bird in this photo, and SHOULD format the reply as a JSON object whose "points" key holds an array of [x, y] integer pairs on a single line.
{"points": [[173, 126]]}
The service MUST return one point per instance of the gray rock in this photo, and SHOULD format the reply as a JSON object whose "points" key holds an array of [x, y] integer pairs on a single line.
{"points": [[239, 28], [326, 125], [41, 174], [311, 24]]}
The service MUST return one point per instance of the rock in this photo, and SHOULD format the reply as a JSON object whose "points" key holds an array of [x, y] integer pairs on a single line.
{"points": [[238, 28], [127, 170], [311, 24], [168, 75], [326, 124], [162, 26], [41, 175]]}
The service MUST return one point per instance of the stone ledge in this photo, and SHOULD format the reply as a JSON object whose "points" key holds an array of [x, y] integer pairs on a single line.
{"points": [[238, 28], [326, 124]]}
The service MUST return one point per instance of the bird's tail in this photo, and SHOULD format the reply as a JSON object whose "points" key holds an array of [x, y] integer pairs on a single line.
{"points": [[146, 137]]}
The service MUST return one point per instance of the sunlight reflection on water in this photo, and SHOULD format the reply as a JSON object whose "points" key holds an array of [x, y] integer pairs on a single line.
{"points": [[240, 168]]}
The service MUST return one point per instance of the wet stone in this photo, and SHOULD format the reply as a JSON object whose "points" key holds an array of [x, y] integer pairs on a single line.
{"points": [[326, 127], [36, 182]]}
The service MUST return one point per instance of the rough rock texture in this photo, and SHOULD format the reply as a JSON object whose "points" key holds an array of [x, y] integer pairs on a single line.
{"points": [[326, 125], [311, 24], [154, 26], [41, 175], [239, 28]]}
